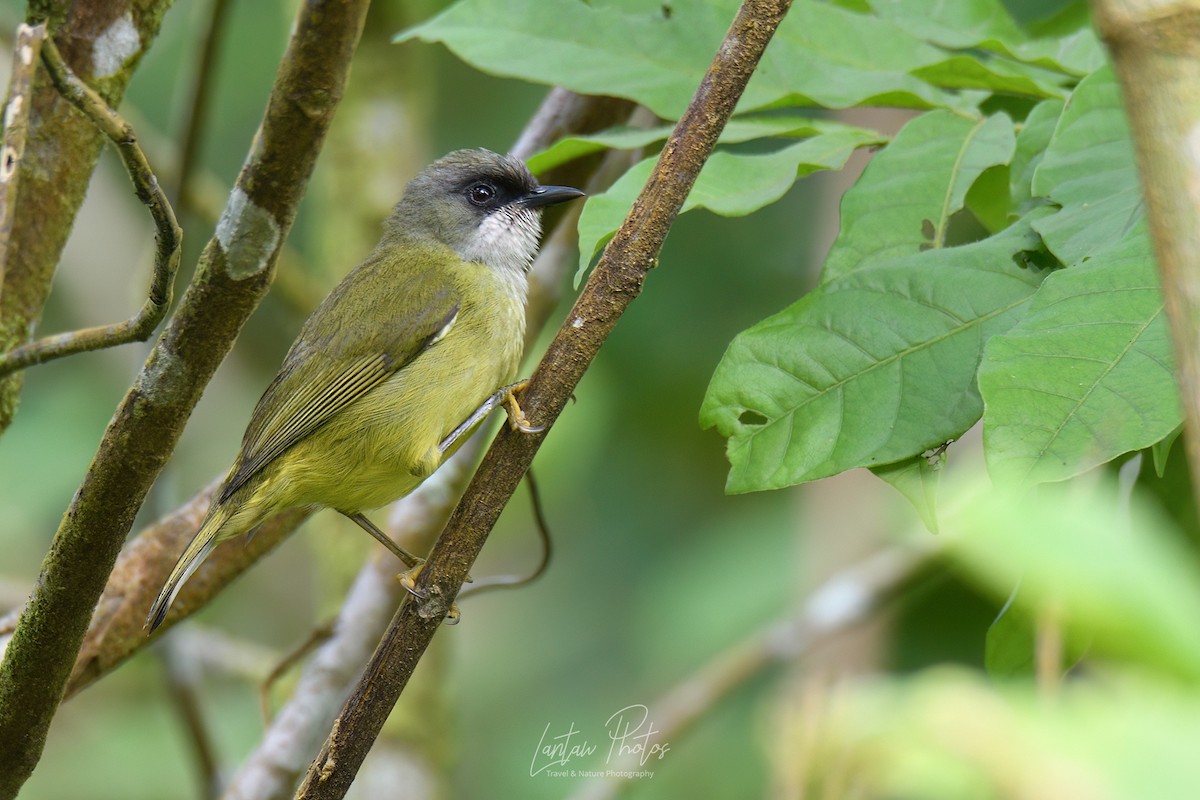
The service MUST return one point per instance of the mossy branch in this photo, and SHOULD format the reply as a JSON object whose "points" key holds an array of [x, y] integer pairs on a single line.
{"points": [[614, 284], [61, 151], [234, 274], [168, 236]]}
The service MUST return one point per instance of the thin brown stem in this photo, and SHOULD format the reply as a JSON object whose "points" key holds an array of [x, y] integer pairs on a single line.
{"points": [[168, 236], [200, 95], [26, 55], [1048, 650], [614, 284]]}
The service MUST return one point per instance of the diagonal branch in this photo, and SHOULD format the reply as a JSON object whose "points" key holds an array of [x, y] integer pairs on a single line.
{"points": [[233, 275], [616, 281], [168, 238]]}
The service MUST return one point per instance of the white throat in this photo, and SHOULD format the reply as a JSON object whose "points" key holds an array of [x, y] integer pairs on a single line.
{"points": [[506, 240]]}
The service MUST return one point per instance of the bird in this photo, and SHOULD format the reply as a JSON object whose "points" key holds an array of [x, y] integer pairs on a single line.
{"points": [[409, 352]]}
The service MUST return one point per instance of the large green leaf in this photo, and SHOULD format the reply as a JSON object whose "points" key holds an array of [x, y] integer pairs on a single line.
{"points": [[832, 57], [821, 54], [1088, 169], [871, 368], [896, 208], [731, 184], [987, 25], [993, 75], [1086, 376]]}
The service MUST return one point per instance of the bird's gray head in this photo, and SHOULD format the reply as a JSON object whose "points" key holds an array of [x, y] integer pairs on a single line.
{"points": [[484, 206]]}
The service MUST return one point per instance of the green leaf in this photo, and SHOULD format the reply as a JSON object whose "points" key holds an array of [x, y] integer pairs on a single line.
{"points": [[1086, 376], [829, 56], [992, 75], [821, 54], [594, 48], [987, 25], [1161, 450], [871, 368], [741, 128], [1008, 646], [1035, 136], [917, 478], [988, 201], [1088, 169], [1118, 576], [731, 184], [895, 209]]}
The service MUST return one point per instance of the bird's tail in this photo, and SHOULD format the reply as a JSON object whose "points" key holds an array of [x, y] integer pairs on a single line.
{"points": [[201, 545]]}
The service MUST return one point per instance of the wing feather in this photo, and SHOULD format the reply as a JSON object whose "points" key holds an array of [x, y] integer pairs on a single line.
{"points": [[302, 398]]}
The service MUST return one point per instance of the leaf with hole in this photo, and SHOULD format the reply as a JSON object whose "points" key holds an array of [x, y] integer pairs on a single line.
{"points": [[1088, 373], [896, 209], [870, 369]]}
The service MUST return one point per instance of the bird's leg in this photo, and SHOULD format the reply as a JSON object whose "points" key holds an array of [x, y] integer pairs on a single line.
{"points": [[470, 422], [408, 578], [410, 561], [516, 417]]}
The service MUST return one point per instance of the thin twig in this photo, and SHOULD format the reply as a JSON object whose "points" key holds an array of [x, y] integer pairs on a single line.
{"points": [[319, 636], [26, 54], [614, 284], [168, 236], [197, 108], [847, 599], [544, 539]]}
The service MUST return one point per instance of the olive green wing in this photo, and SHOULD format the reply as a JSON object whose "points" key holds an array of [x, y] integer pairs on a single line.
{"points": [[352, 343]]}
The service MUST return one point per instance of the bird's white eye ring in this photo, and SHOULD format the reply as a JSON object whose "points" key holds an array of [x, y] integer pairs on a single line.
{"points": [[480, 193]]}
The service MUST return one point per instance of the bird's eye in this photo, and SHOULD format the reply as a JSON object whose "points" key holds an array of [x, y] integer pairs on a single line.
{"points": [[481, 193]]}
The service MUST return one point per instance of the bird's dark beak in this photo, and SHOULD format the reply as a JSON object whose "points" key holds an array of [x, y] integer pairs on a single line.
{"points": [[549, 196]]}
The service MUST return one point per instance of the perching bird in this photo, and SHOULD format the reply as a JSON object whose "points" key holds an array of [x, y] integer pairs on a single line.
{"points": [[402, 358]]}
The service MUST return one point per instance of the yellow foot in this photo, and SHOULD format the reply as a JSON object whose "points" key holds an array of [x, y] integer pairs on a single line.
{"points": [[516, 417], [408, 579]]}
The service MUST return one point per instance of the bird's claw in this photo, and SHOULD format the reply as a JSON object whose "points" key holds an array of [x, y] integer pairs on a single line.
{"points": [[516, 417], [408, 579]]}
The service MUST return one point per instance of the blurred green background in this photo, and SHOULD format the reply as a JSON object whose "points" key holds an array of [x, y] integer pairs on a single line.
{"points": [[656, 569]]}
